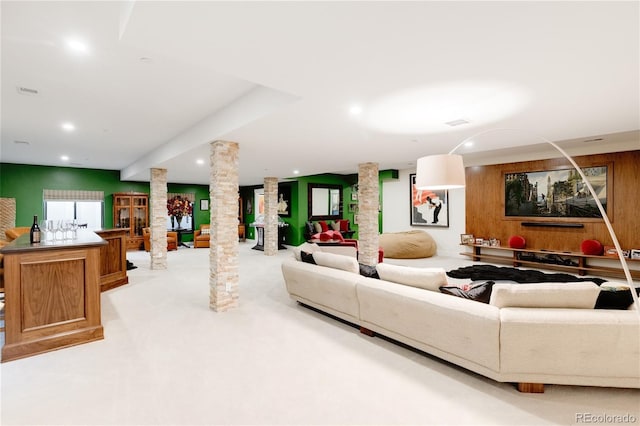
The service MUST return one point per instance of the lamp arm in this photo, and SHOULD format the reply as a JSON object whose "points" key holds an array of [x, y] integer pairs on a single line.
{"points": [[625, 266]]}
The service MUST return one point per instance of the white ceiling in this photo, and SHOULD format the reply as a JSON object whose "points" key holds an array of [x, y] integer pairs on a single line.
{"points": [[279, 78]]}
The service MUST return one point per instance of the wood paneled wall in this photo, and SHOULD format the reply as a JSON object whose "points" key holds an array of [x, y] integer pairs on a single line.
{"points": [[485, 216]]}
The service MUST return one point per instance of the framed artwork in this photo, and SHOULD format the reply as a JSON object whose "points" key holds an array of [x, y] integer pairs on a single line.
{"points": [[284, 200], [204, 204], [428, 207], [556, 193]]}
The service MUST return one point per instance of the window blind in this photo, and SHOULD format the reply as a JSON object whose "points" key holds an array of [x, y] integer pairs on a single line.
{"points": [[72, 195]]}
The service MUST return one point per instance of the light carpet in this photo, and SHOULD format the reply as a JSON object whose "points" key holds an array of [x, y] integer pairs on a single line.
{"points": [[169, 359]]}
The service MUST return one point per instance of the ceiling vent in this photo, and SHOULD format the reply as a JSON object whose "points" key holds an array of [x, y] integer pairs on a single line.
{"points": [[457, 122], [593, 140], [27, 91], [21, 142]]}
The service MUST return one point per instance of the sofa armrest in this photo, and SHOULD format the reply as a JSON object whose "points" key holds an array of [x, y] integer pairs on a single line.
{"points": [[196, 233], [172, 234]]}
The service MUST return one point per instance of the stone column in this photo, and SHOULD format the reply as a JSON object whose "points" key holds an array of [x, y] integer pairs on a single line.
{"points": [[158, 218], [223, 251], [270, 216], [368, 202], [7, 215]]}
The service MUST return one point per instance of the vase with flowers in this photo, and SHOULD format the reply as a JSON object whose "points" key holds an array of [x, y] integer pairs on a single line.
{"points": [[177, 208]]}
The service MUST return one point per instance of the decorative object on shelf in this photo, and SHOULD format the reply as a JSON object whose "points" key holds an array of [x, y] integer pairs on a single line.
{"points": [[466, 239], [635, 254], [517, 242], [428, 207], [592, 247], [447, 171], [177, 208]]}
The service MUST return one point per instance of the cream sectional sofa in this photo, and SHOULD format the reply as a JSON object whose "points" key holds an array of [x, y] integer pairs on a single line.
{"points": [[504, 340]]}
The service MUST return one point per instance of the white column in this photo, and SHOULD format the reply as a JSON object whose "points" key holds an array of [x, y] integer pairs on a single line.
{"points": [[223, 251], [368, 202], [158, 218], [270, 216]]}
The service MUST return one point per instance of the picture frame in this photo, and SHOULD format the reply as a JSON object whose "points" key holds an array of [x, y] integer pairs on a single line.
{"points": [[204, 204], [353, 207], [428, 207], [466, 239], [284, 200], [558, 193]]}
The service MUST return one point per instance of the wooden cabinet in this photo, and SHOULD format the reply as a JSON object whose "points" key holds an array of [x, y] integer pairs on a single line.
{"points": [[131, 210]]}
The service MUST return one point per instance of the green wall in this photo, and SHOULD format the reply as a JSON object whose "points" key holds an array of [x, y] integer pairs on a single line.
{"points": [[26, 183]]}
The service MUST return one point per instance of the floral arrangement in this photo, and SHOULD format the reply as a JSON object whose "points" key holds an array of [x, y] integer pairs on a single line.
{"points": [[179, 207]]}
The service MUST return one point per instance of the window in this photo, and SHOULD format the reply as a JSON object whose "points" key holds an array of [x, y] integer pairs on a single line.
{"points": [[85, 206]]}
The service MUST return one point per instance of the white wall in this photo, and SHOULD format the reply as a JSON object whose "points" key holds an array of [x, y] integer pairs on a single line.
{"points": [[396, 201]]}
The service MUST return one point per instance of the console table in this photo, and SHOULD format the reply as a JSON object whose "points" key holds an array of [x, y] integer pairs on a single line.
{"points": [[260, 237], [576, 262], [52, 294]]}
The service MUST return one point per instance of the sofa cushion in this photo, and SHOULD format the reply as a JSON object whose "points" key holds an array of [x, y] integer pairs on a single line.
{"points": [[479, 292], [368, 271], [307, 247], [317, 227], [307, 257], [580, 295], [337, 261], [335, 226], [323, 226], [426, 278], [614, 297], [205, 231]]}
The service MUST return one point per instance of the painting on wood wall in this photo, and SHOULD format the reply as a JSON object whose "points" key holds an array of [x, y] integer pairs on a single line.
{"points": [[428, 208], [555, 193]]}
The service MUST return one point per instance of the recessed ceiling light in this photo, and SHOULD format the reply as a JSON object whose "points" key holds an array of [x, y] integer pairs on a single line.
{"points": [[295, 172], [64, 157], [77, 46], [200, 161], [468, 144], [69, 127], [355, 110]]}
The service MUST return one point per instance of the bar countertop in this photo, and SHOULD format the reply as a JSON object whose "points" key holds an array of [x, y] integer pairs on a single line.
{"points": [[21, 244]]}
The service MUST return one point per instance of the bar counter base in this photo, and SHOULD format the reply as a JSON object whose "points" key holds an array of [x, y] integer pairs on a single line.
{"points": [[15, 351]]}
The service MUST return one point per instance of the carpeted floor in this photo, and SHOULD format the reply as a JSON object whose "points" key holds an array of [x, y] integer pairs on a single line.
{"points": [[168, 359]]}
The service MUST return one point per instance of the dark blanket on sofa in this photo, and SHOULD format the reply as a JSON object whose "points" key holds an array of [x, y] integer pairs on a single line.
{"points": [[491, 272]]}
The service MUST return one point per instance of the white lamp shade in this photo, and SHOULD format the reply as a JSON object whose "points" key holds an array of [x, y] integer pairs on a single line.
{"points": [[440, 172]]}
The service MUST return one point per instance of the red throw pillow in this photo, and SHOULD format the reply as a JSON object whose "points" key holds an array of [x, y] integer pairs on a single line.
{"points": [[337, 236], [344, 225], [592, 247], [325, 236], [324, 226], [517, 242]]}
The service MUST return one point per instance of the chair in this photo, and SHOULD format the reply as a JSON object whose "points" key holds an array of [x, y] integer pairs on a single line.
{"points": [[202, 236], [14, 233], [172, 239]]}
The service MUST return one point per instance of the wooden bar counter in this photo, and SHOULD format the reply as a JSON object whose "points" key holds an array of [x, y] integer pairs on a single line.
{"points": [[52, 294]]}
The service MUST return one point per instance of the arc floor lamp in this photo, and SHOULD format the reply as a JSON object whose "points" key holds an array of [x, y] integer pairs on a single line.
{"points": [[446, 171]]}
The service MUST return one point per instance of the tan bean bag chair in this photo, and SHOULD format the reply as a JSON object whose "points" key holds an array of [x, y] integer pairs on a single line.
{"points": [[408, 245]]}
